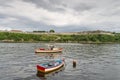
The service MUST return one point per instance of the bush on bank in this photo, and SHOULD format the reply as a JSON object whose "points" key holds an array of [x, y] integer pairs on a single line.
{"points": [[82, 38]]}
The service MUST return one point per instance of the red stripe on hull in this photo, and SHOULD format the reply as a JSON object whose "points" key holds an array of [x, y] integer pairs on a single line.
{"points": [[40, 68]]}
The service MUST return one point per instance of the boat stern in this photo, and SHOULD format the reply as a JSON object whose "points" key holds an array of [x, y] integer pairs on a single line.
{"points": [[40, 69]]}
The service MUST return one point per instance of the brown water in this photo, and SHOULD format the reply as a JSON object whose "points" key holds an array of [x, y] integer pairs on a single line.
{"points": [[94, 61]]}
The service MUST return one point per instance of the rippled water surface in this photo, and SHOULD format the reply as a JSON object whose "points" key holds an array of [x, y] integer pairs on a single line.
{"points": [[94, 61]]}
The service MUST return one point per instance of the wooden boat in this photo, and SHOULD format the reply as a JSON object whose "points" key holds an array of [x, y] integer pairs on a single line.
{"points": [[42, 50], [50, 66], [39, 74]]}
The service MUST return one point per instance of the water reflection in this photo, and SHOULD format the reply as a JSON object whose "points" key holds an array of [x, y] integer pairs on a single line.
{"points": [[41, 76], [94, 61], [32, 77], [49, 55], [53, 73]]}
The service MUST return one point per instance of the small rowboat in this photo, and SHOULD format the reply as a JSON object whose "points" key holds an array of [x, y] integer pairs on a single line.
{"points": [[50, 66], [42, 50], [39, 74]]}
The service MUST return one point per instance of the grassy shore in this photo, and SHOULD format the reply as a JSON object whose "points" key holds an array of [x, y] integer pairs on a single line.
{"points": [[84, 37]]}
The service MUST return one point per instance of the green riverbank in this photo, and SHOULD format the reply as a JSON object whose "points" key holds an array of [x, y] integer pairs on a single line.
{"points": [[56, 37]]}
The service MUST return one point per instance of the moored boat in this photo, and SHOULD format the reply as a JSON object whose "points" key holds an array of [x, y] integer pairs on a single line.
{"points": [[54, 50], [50, 66], [39, 74]]}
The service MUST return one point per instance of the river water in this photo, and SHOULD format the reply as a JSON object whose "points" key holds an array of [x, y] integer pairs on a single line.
{"points": [[94, 61]]}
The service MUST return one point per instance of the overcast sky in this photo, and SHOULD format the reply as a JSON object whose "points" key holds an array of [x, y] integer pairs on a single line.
{"points": [[60, 15]]}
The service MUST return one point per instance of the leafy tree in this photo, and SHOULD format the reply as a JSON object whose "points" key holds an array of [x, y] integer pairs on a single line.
{"points": [[51, 31]]}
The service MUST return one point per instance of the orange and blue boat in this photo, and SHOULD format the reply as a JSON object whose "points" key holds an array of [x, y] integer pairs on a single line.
{"points": [[50, 66]]}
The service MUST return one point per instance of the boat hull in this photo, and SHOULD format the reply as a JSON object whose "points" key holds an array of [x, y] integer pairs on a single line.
{"points": [[41, 69], [48, 51], [39, 74]]}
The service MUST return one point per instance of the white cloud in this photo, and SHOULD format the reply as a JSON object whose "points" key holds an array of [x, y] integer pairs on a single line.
{"points": [[78, 12], [24, 9], [5, 28], [7, 20]]}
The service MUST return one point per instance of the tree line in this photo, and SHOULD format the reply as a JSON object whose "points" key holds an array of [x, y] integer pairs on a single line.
{"points": [[81, 38]]}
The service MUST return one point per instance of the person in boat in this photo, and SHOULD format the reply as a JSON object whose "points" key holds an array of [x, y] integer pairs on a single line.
{"points": [[51, 47]]}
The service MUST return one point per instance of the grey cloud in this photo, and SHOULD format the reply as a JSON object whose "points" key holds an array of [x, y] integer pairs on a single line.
{"points": [[2, 16], [4, 3], [59, 5], [83, 7], [99, 14], [23, 23], [111, 8], [50, 5]]}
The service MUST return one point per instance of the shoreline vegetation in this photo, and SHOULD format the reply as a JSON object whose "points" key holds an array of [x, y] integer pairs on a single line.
{"points": [[88, 37]]}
